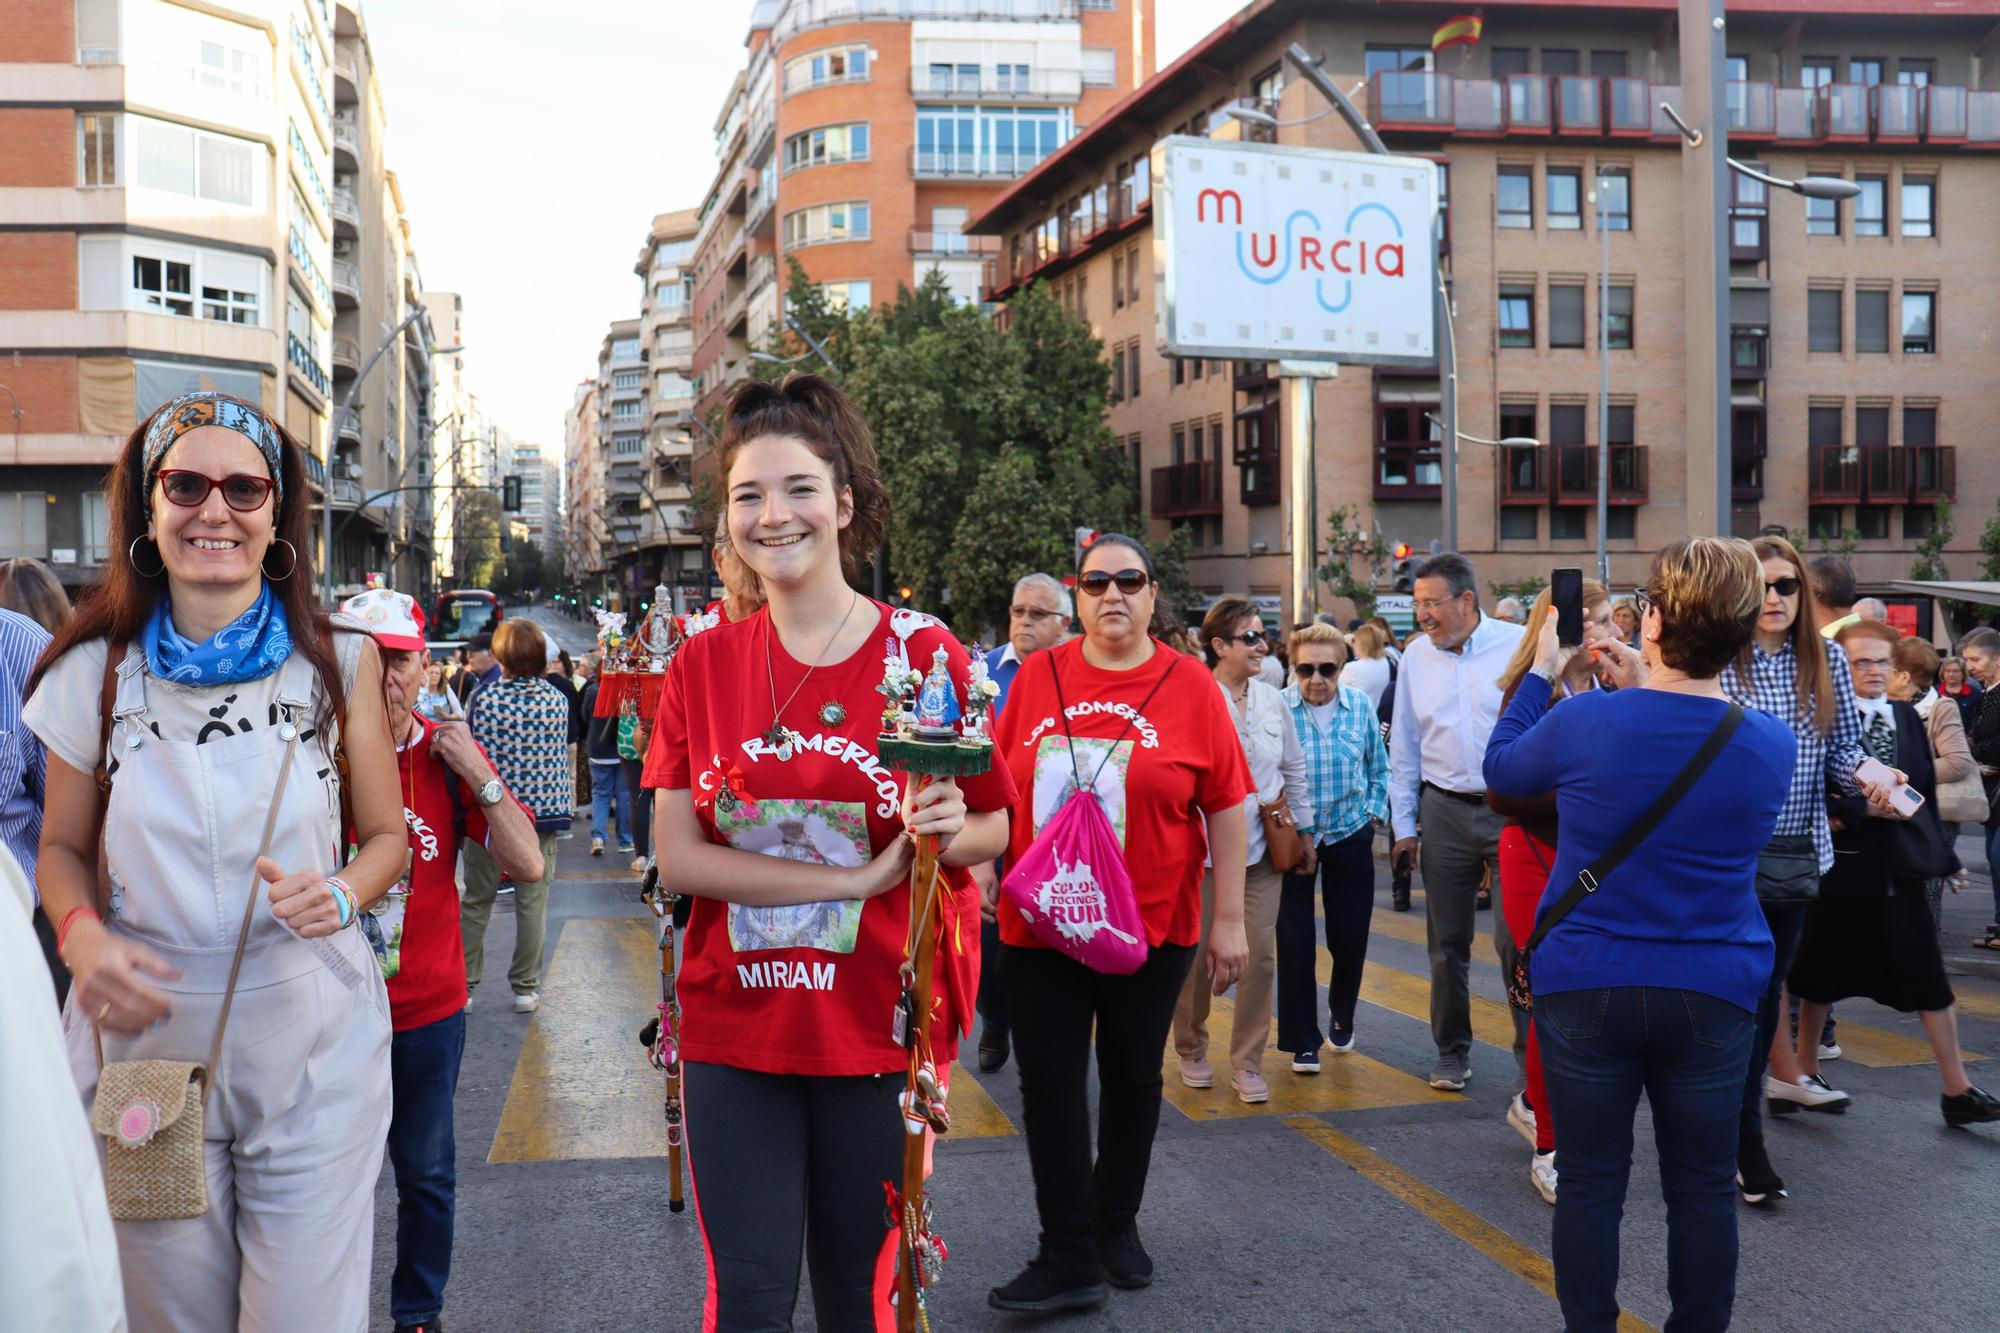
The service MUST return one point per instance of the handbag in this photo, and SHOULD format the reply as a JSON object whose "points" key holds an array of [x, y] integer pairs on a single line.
{"points": [[1520, 985], [1281, 835], [628, 729], [1788, 870], [151, 1111], [1071, 886]]}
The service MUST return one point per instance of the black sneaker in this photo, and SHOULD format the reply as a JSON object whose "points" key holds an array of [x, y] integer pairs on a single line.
{"points": [[1971, 1107], [1052, 1284], [1754, 1175], [993, 1048], [1125, 1260], [1399, 893]]}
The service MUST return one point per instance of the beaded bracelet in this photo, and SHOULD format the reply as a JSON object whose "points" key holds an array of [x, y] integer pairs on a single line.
{"points": [[344, 900], [69, 919]]}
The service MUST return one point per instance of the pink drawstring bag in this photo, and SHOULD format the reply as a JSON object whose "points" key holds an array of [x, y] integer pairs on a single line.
{"points": [[1071, 886]]}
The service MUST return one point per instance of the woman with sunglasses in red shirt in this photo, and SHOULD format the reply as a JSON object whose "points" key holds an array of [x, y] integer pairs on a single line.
{"points": [[1153, 730], [230, 698]]}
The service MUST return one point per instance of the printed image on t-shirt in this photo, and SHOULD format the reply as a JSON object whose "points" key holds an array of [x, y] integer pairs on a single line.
{"points": [[1056, 777], [826, 833]]}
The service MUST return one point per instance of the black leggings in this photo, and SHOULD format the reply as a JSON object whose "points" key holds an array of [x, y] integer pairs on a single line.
{"points": [[1346, 880], [778, 1156], [1051, 1001]]}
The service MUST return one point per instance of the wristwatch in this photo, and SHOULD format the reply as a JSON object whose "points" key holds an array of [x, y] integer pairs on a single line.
{"points": [[490, 794]]}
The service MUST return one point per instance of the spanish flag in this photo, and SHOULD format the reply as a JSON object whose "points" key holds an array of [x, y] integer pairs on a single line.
{"points": [[1460, 31]]}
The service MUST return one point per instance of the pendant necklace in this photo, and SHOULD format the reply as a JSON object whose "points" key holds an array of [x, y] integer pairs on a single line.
{"points": [[782, 740]]}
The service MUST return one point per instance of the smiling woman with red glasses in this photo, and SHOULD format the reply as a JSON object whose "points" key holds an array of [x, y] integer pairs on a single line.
{"points": [[202, 689], [1152, 730]]}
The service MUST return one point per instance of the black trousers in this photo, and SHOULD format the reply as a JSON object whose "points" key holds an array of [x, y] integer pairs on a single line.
{"points": [[777, 1158], [1052, 1002], [992, 1000], [45, 935], [1346, 880], [641, 807]]}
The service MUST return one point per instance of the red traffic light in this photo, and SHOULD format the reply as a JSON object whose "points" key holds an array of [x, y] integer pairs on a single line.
{"points": [[1401, 551]]}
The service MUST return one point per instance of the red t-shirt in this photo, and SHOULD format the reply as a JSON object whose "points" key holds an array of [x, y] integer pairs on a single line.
{"points": [[431, 984], [1180, 758], [810, 989]]}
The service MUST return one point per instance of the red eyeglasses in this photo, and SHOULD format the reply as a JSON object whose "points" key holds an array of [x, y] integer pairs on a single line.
{"points": [[240, 490]]}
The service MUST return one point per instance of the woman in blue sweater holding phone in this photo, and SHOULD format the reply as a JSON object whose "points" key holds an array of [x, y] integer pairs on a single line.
{"points": [[1650, 980]]}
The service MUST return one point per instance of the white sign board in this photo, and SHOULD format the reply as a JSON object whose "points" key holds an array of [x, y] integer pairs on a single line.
{"points": [[1268, 253]]}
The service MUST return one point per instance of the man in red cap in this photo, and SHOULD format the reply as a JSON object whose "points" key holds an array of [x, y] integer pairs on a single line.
{"points": [[450, 793]]}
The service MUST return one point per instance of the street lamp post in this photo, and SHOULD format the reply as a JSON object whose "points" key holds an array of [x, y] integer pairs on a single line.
{"points": [[1603, 385], [340, 418]]}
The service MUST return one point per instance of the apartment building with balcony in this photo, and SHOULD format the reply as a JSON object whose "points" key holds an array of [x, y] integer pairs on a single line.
{"points": [[540, 522], [586, 535], [462, 451], [384, 444], [165, 224], [624, 416], [671, 551], [863, 134], [1857, 370]]}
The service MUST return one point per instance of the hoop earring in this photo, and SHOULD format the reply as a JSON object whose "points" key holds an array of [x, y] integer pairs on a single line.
{"points": [[132, 558], [280, 578]]}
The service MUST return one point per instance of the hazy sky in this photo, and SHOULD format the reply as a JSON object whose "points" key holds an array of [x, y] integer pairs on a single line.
{"points": [[535, 142]]}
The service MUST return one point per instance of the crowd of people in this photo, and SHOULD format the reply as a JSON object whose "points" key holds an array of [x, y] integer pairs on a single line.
{"points": [[1731, 805]]}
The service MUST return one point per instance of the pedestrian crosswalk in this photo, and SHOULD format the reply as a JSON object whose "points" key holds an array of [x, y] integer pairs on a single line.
{"points": [[582, 1088]]}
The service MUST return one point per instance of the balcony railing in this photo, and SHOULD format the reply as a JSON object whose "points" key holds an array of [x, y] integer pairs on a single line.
{"points": [[1883, 474], [1188, 490], [1749, 351], [1750, 109], [1524, 476], [948, 164], [346, 355], [927, 244], [1840, 113], [1412, 100], [998, 84], [1479, 107], [801, 15], [346, 137], [1663, 125], [1580, 105], [1898, 109], [1794, 115], [306, 364], [344, 493], [1982, 119], [1575, 468], [1408, 471], [1528, 110], [1944, 114], [346, 209], [1628, 107], [346, 283], [761, 199]]}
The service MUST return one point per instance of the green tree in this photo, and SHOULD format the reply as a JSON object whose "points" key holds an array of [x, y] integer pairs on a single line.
{"points": [[1989, 546], [477, 547], [1170, 563], [1348, 541]]}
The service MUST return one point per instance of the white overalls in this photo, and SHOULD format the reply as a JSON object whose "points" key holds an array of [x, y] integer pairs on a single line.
{"points": [[299, 1109]]}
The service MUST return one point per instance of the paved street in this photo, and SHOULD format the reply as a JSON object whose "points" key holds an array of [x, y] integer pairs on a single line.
{"points": [[1360, 1199]]}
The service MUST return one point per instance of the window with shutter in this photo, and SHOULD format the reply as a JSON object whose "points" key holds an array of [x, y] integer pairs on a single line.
{"points": [[1823, 321], [1565, 315], [1871, 321]]}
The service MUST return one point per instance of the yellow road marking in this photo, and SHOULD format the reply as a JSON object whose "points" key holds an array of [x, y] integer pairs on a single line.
{"points": [[974, 1115], [1409, 927], [1461, 1222], [1408, 993], [1345, 1082], [583, 1089], [1976, 1003]]}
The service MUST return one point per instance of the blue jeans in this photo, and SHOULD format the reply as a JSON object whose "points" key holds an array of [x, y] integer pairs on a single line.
{"points": [[423, 1078], [1687, 1051], [608, 801]]}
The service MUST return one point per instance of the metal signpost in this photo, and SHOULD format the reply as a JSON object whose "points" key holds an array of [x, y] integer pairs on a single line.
{"points": [[1303, 256]]}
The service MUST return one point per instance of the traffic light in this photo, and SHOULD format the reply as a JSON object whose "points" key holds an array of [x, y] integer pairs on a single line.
{"points": [[1403, 567], [510, 494]]}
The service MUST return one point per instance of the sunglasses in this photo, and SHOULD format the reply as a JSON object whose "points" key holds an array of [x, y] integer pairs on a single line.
{"points": [[1307, 670], [240, 491], [1249, 638], [1097, 582], [1784, 587]]}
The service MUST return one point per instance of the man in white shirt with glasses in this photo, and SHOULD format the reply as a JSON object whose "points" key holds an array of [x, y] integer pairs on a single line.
{"points": [[1447, 700]]}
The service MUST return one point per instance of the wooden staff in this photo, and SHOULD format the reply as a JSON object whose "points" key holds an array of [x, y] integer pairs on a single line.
{"points": [[923, 761], [665, 1030]]}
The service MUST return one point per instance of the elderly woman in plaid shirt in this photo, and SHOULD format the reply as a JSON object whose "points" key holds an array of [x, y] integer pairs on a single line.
{"points": [[1801, 679], [1347, 771]]}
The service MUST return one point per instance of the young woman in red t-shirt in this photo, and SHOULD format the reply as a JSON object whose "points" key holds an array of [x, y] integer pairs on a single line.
{"points": [[1152, 728], [777, 816]]}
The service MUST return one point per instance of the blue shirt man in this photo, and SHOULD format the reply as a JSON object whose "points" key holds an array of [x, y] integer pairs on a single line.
{"points": [[23, 762]]}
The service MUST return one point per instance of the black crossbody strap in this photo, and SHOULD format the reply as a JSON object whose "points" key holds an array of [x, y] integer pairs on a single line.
{"points": [[1062, 715], [1588, 880]]}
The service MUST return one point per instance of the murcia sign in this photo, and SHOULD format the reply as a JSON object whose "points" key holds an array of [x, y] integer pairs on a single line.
{"points": [[1275, 253]]}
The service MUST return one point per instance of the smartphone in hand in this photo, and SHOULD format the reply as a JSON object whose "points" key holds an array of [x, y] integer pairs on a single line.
{"points": [[1566, 599], [1905, 799]]}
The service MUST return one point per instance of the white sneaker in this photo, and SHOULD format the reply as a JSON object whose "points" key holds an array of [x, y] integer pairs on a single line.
{"points": [[1522, 1117], [468, 1002], [1542, 1175], [527, 1004], [1830, 1052]]}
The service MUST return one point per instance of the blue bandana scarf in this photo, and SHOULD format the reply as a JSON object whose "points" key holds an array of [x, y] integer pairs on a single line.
{"points": [[250, 647]]}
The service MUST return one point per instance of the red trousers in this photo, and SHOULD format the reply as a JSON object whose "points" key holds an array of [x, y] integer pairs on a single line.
{"points": [[1522, 880]]}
